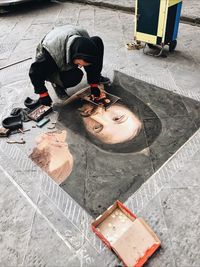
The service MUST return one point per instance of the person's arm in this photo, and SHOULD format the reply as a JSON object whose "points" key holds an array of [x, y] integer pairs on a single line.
{"points": [[40, 70]]}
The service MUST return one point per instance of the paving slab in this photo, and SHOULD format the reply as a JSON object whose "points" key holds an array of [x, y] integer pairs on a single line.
{"points": [[190, 12], [16, 217], [57, 215], [184, 233], [45, 247]]}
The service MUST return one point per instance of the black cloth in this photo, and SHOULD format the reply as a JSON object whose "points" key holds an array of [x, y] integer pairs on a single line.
{"points": [[21, 111], [45, 66], [47, 101], [71, 77], [94, 70], [84, 48], [41, 70]]}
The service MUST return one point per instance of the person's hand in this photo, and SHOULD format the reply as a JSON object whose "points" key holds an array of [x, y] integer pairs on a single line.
{"points": [[45, 99], [95, 92], [98, 95]]}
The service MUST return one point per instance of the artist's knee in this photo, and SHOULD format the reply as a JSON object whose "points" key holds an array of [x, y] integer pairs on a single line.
{"points": [[76, 76]]}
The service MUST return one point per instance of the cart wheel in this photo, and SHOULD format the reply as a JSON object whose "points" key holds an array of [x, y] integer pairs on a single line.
{"points": [[151, 46], [172, 45]]}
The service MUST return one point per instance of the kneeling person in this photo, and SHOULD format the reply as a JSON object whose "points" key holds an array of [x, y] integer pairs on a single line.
{"points": [[59, 57]]}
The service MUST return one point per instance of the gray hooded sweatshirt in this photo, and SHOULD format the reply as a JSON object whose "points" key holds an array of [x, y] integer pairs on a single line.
{"points": [[58, 42]]}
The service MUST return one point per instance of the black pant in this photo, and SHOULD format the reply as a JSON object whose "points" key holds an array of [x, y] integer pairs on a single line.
{"points": [[74, 76], [71, 77], [94, 71]]}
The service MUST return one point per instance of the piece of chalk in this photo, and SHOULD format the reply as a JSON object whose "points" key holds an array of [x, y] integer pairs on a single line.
{"points": [[42, 122]]}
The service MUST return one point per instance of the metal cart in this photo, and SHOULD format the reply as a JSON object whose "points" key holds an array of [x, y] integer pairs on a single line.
{"points": [[157, 22]]}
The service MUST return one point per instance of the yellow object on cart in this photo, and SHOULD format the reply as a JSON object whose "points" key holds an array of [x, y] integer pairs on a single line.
{"points": [[157, 22]]}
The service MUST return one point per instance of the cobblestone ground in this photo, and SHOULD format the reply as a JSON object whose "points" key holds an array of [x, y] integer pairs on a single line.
{"points": [[35, 226], [190, 10]]}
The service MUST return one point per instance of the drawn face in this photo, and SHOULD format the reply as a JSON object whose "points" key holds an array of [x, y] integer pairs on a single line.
{"points": [[81, 63], [115, 125]]}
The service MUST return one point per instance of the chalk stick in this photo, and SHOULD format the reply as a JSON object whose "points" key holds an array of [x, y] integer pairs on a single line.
{"points": [[4, 132], [42, 122]]}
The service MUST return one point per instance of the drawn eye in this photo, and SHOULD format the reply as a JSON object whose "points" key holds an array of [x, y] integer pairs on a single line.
{"points": [[97, 128], [120, 118]]}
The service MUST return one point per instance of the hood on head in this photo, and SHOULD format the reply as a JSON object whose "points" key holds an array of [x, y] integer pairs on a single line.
{"points": [[84, 48]]}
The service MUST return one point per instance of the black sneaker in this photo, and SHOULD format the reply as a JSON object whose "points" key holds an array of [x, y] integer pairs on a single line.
{"points": [[60, 92], [104, 80]]}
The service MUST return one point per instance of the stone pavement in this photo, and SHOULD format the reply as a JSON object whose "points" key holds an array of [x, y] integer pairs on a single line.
{"points": [[190, 12], [40, 224]]}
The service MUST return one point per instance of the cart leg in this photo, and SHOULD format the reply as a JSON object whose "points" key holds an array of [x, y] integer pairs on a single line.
{"points": [[172, 45], [150, 54], [151, 46]]}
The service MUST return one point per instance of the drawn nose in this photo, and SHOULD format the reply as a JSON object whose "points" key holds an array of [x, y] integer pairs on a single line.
{"points": [[103, 120]]}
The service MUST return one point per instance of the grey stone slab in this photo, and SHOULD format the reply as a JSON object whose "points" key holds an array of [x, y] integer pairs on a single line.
{"points": [[46, 13], [188, 176], [68, 230], [6, 26], [153, 215], [128, 3], [103, 21], [73, 222], [6, 49], [184, 81], [14, 75], [45, 247], [115, 28], [22, 170], [182, 220], [69, 14], [126, 26], [37, 31], [17, 32], [82, 19], [195, 156], [16, 216], [25, 49], [190, 10], [187, 43], [91, 257], [74, 261], [29, 181]]}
